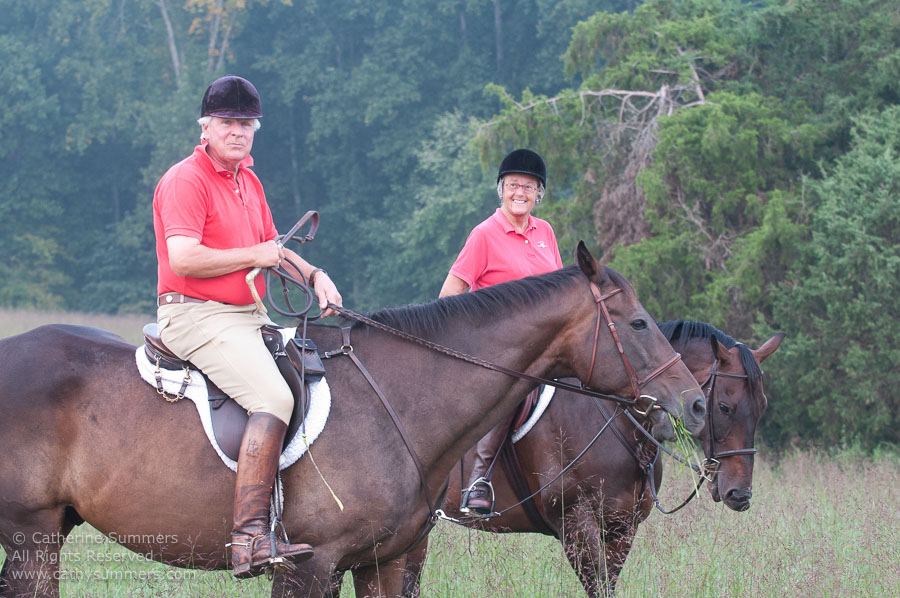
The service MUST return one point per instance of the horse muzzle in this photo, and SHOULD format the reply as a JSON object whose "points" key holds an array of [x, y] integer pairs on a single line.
{"points": [[736, 499]]}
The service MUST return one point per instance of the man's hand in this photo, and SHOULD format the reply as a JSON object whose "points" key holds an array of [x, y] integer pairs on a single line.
{"points": [[324, 287], [327, 293], [268, 255]]}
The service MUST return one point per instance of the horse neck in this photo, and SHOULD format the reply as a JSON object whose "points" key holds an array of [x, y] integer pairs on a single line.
{"points": [[525, 340]]}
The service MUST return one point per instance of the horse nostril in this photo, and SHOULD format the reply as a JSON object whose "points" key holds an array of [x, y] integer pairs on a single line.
{"points": [[699, 408], [739, 495]]}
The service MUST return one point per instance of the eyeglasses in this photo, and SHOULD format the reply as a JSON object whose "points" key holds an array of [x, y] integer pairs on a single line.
{"points": [[516, 186]]}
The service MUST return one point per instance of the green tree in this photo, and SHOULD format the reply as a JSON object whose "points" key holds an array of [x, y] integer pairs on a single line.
{"points": [[452, 196], [837, 376], [360, 86], [34, 179], [713, 174], [100, 101], [833, 58]]}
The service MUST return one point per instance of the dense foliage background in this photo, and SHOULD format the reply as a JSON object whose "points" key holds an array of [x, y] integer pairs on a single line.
{"points": [[738, 161]]}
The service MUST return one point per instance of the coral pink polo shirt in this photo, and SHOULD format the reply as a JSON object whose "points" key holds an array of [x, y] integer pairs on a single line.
{"points": [[198, 198], [495, 252]]}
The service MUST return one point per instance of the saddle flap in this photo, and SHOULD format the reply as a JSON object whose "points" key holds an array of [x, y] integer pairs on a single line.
{"points": [[227, 418]]}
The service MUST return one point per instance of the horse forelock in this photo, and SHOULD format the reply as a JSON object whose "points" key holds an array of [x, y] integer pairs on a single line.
{"points": [[431, 319], [621, 282], [681, 332]]}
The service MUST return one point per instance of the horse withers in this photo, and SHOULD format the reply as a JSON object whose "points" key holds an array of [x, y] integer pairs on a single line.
{"points": [[85, 439], [595, 507]]}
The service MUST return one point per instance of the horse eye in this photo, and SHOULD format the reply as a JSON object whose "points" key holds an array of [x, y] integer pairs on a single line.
{"points": [[724, 408], [639, 324]]}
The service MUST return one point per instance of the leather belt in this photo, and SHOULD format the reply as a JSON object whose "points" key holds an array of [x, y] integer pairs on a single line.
{"points": [[172, 298]]}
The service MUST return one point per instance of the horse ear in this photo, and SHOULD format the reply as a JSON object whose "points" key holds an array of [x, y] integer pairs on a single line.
{"points": [[768, 347], [722, 352], [591, 267]]}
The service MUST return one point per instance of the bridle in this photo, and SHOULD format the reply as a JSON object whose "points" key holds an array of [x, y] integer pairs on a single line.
{"points": [[602, 314], [636, 383], [712, 461], [709, 468]]}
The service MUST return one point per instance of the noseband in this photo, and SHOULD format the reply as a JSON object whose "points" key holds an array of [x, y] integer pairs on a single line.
{"points": [[712, 461], [636, 383]]}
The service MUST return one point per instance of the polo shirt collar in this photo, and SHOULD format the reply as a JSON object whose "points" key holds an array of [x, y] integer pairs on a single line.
{"points": [[201, 149], [507, 225]]}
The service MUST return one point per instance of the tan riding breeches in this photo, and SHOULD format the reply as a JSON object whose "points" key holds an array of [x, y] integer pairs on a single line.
{"points": [[225, 343]]}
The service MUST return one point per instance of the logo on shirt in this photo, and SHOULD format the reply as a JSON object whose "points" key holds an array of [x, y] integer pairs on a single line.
{"points": [[542, 245]]}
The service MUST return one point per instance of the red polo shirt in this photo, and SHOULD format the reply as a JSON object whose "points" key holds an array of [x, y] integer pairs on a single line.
{"points": [[495, 252], [198, 198]]}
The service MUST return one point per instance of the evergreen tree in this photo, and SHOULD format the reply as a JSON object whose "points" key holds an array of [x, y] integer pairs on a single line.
{"points": [[836, 378]]}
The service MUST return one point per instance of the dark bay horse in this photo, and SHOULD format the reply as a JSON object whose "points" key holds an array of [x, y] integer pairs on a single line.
{"points": [[84, 439], [595, 508]]}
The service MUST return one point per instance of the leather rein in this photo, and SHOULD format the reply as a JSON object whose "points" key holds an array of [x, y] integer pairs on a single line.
{"points": [[602, 315], [347, 349]]}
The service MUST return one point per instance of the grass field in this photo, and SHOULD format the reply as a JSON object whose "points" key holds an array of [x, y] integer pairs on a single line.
{"points": [[16, 321], [820, 525]]}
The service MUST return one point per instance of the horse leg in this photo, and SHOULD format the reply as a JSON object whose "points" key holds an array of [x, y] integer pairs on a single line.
{"points": [[32, 548], [618, 544], [581, 542], [412, 570], [310, 579], [384, 579], [334, 588], [596, 547]]}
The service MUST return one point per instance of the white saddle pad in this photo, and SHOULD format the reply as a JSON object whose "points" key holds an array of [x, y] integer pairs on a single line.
{"points": [[172, 380], [542, 404]]}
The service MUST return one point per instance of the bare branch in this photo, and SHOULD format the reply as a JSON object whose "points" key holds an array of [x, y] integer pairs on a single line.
{"points": [[214, 26], [173, 48], [626, 122], [694, 75]]}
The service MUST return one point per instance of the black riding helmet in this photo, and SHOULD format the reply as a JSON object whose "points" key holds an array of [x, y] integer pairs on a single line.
{"points": [[523, 161], [231, 97]]}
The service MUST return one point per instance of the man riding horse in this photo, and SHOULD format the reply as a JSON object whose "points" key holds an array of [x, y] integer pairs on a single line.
{"points": [[212, 225]]}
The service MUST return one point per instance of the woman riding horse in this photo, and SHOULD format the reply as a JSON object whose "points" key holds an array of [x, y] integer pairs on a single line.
{"points": [[510, 244]]}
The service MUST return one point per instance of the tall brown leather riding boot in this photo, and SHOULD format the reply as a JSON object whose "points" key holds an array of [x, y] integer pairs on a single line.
{"points": [[251, 543], [478, 497]]}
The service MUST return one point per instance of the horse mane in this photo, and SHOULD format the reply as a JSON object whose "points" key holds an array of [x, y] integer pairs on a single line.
{"points": [[681, 332], [430, 319]]}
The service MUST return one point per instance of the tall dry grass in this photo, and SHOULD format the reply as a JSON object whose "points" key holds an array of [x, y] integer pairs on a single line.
{"points": [[819, 527]]}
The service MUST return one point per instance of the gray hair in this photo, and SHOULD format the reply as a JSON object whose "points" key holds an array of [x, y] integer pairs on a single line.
{"points": [[205, 120], [538, 196]]}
